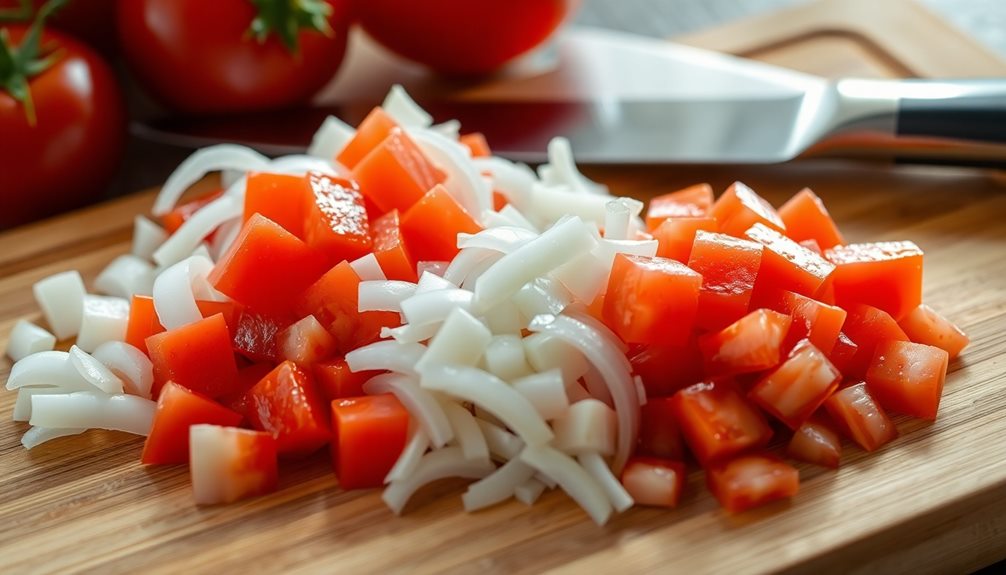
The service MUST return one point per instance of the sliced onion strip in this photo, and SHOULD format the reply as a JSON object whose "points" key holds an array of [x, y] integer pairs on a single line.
{"points": [[438, 464], [419, 402], [573, 479], [202, 162], [93, 410], [497, 486]]}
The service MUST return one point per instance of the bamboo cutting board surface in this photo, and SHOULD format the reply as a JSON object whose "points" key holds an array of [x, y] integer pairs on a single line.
{"points": [[933, 501]]}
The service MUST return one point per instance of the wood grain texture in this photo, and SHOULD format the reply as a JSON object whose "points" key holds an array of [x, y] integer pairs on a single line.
{"points": [[934, 501]]}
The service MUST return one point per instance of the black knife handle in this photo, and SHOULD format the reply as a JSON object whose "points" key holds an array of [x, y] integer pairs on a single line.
{"points": [[972, 110]]}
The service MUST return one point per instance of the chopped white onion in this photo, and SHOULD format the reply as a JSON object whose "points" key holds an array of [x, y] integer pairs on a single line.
{"points": [[503, 239], [461, 340], [504, 318], [436, 268], [404, 110], [504, 357], [573, 479], [224, 238], [22, 405], [518, 219], [94, 372], [429, 281], [27, 338], [411, 333], [126, 276], [300, 164], [407, 462], [434, 306], [147, 237], [386, 356], [529, 491], [541, 296], [545, 352], [463, 181], [550, 203], [202, 162], [104, 319], [561, 169], [435, 465], [585, 276], [420, 403], [449, 129], [466, 431], [513, 180], [130, 364], [195, 229], [46, 369], [384, 295], [596, 387], [368, 268], [61, 298], [466, 262], [330, 139], [502, 444], [93, 410], [36, 436], [546, 391], [599, 470], [616, 220], [587, 426], [175, 291], [497, 486]]}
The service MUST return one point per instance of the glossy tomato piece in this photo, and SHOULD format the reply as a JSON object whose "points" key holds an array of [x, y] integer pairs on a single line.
{"points": [[816, 442], [654, 481], [794, 390], [691, 202], [908, 377], [279, 197], [925, 325], [228, 309], [860, 417], [266, 268], [335, 380], [729, 268], [887, 275], [786, 265], [659, 435], [178, 409], [814, 320], [665, 369], [369, 434], [247, 378], [286, 404], [255, 336], [867, 327], [843, 354], [812, 245], [373, 130], [651, 300], [181, 213], [143, 322], [751, 481], [806, 218], [476, 143], [227, 463], [335, 222], [390, 248], [306, 342], [676, 235], [740, 207], [396, 174], [752, 343], [197, 356], [432, 225], [717, 422]]}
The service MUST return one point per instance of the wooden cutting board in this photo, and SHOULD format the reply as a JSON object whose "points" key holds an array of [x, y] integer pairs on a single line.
{"points": [[933, 501]]}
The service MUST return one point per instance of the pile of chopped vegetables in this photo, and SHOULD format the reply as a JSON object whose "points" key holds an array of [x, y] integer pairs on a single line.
{"points": [[429, 310]]}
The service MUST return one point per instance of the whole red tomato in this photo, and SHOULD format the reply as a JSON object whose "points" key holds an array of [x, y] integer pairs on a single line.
{"points": [[60, 148], [461, 37], [201, 56], [92, 21]]}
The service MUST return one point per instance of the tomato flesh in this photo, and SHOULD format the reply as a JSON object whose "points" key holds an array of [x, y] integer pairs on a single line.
{"points": [[255, 336], [816, 442], [336, 223], [795, 389], [373, 130], [396, 174], [335, 380], [432, 225], [476, 143], [197, 356], [651, 299], [752, 343], [306, 342], [659, 435], [860, 417], [786, 265], [248, 376], [806, 218], [286, 404], [279, 197], [178, 409], [814, 320], [654, 481], [369, 434], [691, 202], [390, 248], [843, 355], [887, 275], [729, 268], [717, 422], [665, 369], [751, 481], [227, 464], [908, 377], [740, 207], [867, 327], [143, 322], [676, 235], [925, 325]]}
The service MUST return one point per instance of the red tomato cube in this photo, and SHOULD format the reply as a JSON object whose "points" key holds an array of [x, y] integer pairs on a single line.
{"points": [[752, 343], [286, 404], [676, 235], [197, 356], [654, 481], [795, 389], [843, 355], [651, 300], [665, 369], [432, 225], [335, 380], [924, 325], [814, 320], [178, 409], [279, 197], [306, 342], [142, 323], [786, 265], [740, 207], [729, 268], [908, 377], [228, 464], [816, 442], [717, 422], [255, 336], [396, 174], [658, 432], [806, 218], [691, 202], [751, 481], [860, 417], [476, 144], [335, 222], [390, 248], [237, 400], [373, 130], [867, 326], [229, 309], [887, 275], [369, 435], [266, 268]]}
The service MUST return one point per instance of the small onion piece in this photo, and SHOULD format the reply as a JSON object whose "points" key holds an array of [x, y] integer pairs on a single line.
{"points": [[518, 219], [300, 164], [466, 262], [46, 369], [419, 402], [411, 333], [130, 364], [27, 338], [515, 181], [450, 129], [147, 237], [36, 436], [438, 464], [94, 372], [436, 268], [599, 470], [195, 229], [22, 405], [466, 431], [384, 295], [588, 426], [503, 239], [545, 352], [550, 203], [202, 162], [573, 479], [561, 169], [504, 318], [93, 410], [407, 462], [330, 139], [497, 486], [429, 281], [504, 357], [126, 276], [386, 356], [529, 491], [61, 298], [546, 391], [502, 444], [616, 220], [368, 268], [463, 181], [461, 340], [175, 291], [585, 276], [104, 319], [434, 306], [541, 296], [224, 238], [404, 110]]}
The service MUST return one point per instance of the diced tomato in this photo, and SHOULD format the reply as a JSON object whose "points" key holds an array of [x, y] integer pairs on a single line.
{"points": [[658, 432], [819, 322], [266, 268], [887, 275], [786, 265], [229, 309], [247, 378], [255, 336], [306, 342], [729, 268], [651, 299], [908, 377], [816, 442], [369, 434], [369, 134], [335, 380], [197, 356], [752, 343], [691, 202], [279, 197], [806, 218], [740, 207], [177, 409], [867, 326], [500, 201], [717, 422], [476, 144], [396, 174], [924, 325], [751, 481], [666, 368], [795, 389], [860, 417], [654, 481], [676, 235], [812, 245], [432, 225], [843, 355], [390, 248], [228, 464], [143, 322], [334, 301], [335, 221], [286, 404], [174, 219]]}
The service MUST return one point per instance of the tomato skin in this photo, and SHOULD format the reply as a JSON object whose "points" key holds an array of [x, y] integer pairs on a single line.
{"points": [[806, 218], [908, 377], [431, 226], [925, 325], [369, 433], [286, 404], [816, 442], [178, 409], [69, 156], [860, 417], [659, 435], [651, 300], [717, 422], [460, 37], [751, 481], [255, 336], [196, 56], [887, 275], [786, 265], [654, 481], [197, 356], [752, 343], [740, 207], [795, 389], [691, 202], [729, 268], [867, 327]]}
